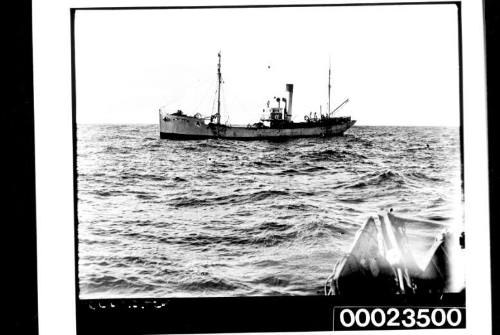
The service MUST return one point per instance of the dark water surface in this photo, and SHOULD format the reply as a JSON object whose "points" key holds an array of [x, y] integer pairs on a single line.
{"points": [[160, 218]]}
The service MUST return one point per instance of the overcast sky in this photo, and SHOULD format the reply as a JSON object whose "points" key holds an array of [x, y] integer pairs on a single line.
{"points": [[398, 65]]}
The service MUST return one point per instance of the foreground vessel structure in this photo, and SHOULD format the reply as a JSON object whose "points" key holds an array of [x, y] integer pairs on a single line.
{"points": [[381, 261], [277, 124]]}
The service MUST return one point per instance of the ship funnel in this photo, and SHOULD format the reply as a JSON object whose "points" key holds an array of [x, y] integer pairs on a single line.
{"points": [[289, 89]]}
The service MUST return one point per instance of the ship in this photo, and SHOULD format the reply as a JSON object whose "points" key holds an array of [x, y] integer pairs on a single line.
{"points": [[274, 125]]}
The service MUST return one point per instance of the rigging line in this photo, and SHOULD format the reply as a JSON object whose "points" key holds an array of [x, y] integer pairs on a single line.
{"points": [[190, 87], [206, 94], [225, 107], [217, 96], [214, 102], [239, 103]]}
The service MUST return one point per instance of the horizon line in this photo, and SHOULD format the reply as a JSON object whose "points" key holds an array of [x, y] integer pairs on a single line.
{"points": [[239, 125]]}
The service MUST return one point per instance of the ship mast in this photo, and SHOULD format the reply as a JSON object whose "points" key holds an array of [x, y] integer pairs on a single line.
{"points": [[219, 78], [329, 85]]}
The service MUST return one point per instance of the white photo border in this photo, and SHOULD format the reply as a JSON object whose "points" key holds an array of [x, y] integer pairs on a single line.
{"points": [[53, 101]]}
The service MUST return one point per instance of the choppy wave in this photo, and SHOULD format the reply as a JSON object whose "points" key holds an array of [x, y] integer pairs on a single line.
{"points": [[164, 218]]}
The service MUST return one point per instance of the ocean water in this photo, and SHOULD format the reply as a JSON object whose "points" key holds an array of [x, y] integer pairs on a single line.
{"points": [[161, 218]]}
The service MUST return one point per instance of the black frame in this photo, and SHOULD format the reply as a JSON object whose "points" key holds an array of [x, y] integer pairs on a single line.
{"points": [[19, 187], [232, 314]]}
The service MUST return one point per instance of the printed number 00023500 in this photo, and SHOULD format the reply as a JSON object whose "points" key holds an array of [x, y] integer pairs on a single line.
{"points": [[398, 318]]}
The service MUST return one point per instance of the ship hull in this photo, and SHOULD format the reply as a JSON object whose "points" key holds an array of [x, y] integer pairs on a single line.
{"points": [[189, 128]]}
